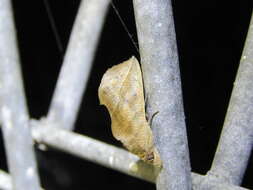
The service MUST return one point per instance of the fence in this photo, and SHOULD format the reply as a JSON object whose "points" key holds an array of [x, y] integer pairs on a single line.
{"points": [[158, 50]]}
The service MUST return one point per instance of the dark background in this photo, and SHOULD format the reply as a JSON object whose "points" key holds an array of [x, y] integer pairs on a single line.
{"points": [[210, 37]]}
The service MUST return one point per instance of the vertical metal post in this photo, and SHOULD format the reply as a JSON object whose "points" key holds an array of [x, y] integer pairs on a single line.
{"points": [[159, 60], [13, 109]]}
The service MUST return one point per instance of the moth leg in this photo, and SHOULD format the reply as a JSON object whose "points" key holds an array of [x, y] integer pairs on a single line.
{"points": [[152, 117], [146, 115]]}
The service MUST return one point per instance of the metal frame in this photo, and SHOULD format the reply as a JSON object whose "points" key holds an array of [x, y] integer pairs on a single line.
{"points": [[157, 40]]}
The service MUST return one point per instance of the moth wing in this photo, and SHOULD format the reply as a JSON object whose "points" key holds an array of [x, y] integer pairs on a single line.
{"points": [[121, 91]]}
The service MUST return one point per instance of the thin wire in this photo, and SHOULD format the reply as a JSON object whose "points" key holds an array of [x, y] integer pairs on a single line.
{"points": [[124, 26], [54, 28], [56, 33]]}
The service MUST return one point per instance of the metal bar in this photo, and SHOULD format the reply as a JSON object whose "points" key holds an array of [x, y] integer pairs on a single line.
{"points": [[77, 62], [235, 145], [92, 150], [5, 181], [13, 109], [159, 60], [209, 183], [112, 157], [201, 182]]}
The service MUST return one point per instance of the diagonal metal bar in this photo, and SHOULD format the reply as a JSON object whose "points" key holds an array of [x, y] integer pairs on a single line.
{"points": [[13, 109], [235, 145], [159, 59], [92, 150], [112, 157], [77, 62]]}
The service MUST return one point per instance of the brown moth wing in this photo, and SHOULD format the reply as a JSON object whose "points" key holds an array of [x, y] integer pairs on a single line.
{"points": [[121, 91]]}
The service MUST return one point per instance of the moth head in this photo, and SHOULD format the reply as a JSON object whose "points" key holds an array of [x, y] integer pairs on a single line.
{"points": [[152, 157], [149, 157]]}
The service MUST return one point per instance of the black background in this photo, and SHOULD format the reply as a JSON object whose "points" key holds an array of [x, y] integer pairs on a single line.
{"points": [[210, 36]]}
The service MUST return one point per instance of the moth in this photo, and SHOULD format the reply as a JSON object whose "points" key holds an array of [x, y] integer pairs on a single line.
{"points": [[121, 91]]}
